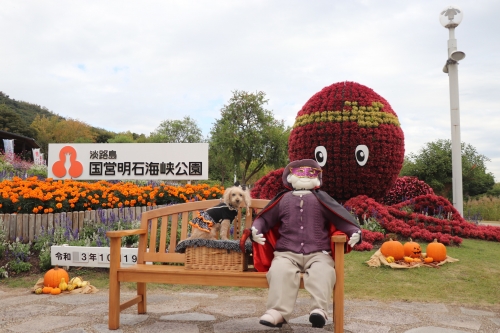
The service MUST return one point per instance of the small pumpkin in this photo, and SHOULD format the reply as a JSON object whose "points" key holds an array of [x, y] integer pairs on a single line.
{"points": [[55, 291], [392, 248], [412, 249], [47, 290], [390, 259], [408, 259], [53, 277], [417, 260], [436, 250], [428, 260]]}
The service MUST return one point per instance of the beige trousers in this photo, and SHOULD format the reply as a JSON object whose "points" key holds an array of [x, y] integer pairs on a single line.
{"points": [[284, 280]]}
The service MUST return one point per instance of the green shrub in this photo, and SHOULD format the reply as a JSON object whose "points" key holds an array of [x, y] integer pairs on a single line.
{"points": [[44, 257], [19, 266]]}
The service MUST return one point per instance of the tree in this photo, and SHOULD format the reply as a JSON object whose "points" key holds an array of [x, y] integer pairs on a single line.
{"points": [[124, 137], [56, 130], [433, 165], [177, 131], [101, 135], [247, 138], [73, 131], [44, 128]]}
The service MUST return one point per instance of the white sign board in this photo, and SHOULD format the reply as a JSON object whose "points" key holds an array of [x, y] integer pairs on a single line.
{"points": [[89, 256], [120, 161]]}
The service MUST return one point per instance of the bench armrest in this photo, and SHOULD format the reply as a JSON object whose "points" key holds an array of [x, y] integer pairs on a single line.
{"points": [[123, 233], [339, 238], [115, 245]]}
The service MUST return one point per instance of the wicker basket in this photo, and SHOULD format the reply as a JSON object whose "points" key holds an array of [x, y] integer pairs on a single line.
{"points": [[207, 258]]}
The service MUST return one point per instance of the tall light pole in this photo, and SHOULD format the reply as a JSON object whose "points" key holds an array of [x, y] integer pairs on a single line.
{"points": [[450, 18]]}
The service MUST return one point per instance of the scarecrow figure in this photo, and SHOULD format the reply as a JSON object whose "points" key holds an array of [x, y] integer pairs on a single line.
{"points": [[292, 235]]}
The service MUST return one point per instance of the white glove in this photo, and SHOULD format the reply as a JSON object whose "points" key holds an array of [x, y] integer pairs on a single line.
{"points": [[354, 238], [257, 238]]}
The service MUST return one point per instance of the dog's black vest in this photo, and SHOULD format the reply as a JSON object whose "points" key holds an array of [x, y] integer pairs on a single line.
{"points": [[221, 212], [206, 218]]}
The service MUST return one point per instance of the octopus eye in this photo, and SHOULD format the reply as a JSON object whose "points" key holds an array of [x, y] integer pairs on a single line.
{"points": [[361, 154], [320, 155]]}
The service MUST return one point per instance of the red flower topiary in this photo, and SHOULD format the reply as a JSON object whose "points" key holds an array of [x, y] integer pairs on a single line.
{"points": [[268, 186], [356, 137]]}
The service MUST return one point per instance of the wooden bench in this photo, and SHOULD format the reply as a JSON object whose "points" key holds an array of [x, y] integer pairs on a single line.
{"points": [[178, 217]]}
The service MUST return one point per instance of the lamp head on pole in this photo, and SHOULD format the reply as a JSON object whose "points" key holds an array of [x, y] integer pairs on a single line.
{"points": [[450, 17]]}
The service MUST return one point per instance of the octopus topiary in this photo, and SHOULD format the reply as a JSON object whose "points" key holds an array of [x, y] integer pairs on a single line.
{"points": [[354, 135]]}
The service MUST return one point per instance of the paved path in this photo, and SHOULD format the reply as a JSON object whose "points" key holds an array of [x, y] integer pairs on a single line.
{"points": [[228, 310]]}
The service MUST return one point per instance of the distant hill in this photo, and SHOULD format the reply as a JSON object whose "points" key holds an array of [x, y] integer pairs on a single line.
{"points": [[17, 116], [25, 110]]}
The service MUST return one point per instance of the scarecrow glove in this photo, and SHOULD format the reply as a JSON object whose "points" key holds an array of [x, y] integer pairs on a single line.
{"points": [[257, 238], [355, 237]]}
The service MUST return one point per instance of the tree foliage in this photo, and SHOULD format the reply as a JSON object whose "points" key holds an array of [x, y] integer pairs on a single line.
{"points": [[27, 111], [177, 131], [11, 122], [247, 138], [128, 137], [433, 165], [56, 130]]}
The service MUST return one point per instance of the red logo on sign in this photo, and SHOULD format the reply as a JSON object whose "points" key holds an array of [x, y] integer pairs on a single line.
{"points": [[75, 168]]}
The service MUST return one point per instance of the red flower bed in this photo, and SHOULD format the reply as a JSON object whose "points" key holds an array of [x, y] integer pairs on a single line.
{"points": [[425, 217], [406, 188]]}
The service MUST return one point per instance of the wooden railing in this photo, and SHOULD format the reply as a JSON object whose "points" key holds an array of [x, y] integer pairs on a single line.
{"points": [[27, 227]]}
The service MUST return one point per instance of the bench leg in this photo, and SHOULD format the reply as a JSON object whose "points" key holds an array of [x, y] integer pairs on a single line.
{"points": [[141, 290], [114, 286], [338, 290], [114, 305]]}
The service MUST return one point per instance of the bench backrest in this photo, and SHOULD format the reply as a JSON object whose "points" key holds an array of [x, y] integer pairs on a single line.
{"points": [[167, 226]]}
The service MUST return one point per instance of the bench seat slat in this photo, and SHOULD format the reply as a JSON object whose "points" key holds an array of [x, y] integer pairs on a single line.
{"points": [[179, 275], [164, 257]]}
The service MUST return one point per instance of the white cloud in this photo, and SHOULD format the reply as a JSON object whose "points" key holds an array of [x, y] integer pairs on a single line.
{"points": [[128, 65]]}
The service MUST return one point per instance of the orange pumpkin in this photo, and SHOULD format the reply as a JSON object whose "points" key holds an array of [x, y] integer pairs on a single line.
{"points": [[436, 250], [53, 277], [47, 290], [393, 248], [55, 291], [412, 249], [428, 260], [417, 260]]}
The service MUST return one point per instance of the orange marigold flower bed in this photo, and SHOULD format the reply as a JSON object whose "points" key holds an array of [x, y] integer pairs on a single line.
{"points": [[53, 196]]}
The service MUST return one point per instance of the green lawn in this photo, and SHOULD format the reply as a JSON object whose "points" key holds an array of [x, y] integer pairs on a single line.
{"points": [[474, 279]]}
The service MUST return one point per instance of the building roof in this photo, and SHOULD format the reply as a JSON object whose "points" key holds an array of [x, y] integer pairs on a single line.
{"points": [[21, 142]]}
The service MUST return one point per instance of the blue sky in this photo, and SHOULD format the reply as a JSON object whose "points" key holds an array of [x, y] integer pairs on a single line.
{"points": [[128, 65]]}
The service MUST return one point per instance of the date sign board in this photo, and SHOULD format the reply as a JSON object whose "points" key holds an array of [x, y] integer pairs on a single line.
{"points": [[89, 256]]}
